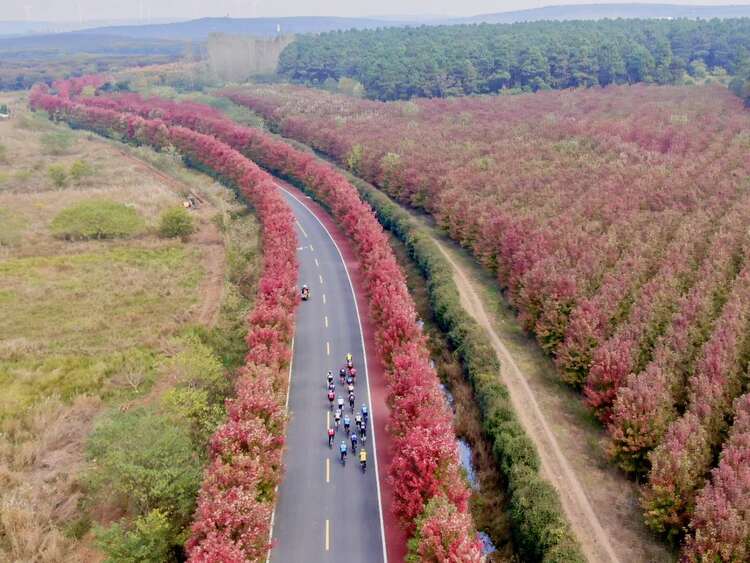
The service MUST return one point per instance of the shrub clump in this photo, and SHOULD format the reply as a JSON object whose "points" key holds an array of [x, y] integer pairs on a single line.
{"points": [[97, 219], [148, 467], [176, 222], [58, 175], [80, 169]]}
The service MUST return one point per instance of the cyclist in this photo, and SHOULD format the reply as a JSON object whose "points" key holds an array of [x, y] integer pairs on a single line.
{"points": [[363, 459], [330, 377], [358, 421], [347, 423], [351, 401], [331, 398], [350, 388], [331, 387], [342, 449], [341, 403], [365, 414], [331, 435], [349, 360], [337, 418], [353, 373], [342, 375], [354, 442]]}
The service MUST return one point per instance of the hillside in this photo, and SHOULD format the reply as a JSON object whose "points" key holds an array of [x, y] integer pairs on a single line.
{"points": [[59, 45], [601, 11], [198, 30]]}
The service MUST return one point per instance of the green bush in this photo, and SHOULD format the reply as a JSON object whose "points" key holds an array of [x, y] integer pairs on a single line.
{"points": [[176, 222], [80, 169], [57, 142], [540, 530], [149, 540], [193, 409], [3, 154], [57, 174], [145, 462], [97, 219]]}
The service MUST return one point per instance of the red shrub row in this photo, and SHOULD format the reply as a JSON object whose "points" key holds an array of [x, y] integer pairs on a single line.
{"points": [[232, 520], [680, 464], [721, 522], [425, 461]]}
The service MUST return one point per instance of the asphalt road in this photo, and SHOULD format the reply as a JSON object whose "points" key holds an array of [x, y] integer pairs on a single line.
{"points": [[326, 511]]}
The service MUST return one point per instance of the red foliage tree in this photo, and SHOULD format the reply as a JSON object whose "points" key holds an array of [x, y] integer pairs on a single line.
{"points": [[721, 522]]}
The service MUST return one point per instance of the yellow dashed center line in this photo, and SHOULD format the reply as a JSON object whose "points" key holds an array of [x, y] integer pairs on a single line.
{"points": [[324, 299], [328, 470], [321, 279], [326, 320], [301, 229], [316, 263], [328, 535], [328, 348]]}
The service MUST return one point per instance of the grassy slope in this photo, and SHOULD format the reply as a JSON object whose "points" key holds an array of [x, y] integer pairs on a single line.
{"points": [[89, 328]]}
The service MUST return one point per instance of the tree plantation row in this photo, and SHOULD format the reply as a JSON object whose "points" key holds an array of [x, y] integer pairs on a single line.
{"points": [[617, 222]]}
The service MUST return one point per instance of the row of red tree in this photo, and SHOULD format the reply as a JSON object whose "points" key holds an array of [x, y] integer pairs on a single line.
{"points": [[425, 462], [616, 220], [232, 521]]}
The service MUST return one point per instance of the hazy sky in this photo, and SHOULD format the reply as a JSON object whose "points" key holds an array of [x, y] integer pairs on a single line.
{"points": [[77, 10]]}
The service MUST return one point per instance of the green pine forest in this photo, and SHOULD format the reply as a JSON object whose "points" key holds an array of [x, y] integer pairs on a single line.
{"points": [[438, 61]]}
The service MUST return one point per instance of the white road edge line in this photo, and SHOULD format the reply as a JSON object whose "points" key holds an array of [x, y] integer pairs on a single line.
{"points": [[286, 409], [364, 351]]}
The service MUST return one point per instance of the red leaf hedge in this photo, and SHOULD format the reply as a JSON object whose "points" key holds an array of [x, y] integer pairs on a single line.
{"points": [[232, 520], [425, 459]]}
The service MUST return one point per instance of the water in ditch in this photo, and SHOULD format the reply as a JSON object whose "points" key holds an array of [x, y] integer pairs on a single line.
{"points": [[465, 456]]}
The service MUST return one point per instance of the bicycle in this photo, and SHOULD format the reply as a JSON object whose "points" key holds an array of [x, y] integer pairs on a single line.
{"points": [[337, 420], [343, 453]]}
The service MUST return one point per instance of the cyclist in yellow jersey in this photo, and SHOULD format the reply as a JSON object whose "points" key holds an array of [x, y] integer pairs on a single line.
{"points": [[363, 458]]}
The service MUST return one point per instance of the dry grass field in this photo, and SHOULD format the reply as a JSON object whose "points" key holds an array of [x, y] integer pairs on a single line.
{"points": [[92, 327]]}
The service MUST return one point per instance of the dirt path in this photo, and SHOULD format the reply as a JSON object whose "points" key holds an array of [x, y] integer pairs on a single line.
{"points": [[555, 466], [208, 238]]}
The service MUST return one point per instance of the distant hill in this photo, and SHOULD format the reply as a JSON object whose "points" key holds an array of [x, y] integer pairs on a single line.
{"points": [[198, 30], [64, 44], [612, 11], [16, 28]]}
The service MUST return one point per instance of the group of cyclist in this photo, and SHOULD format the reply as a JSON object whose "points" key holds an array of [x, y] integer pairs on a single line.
{"points": [[358, 434]]}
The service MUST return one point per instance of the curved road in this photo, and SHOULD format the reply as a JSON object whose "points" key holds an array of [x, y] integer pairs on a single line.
{"points": [[325, 512]]}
